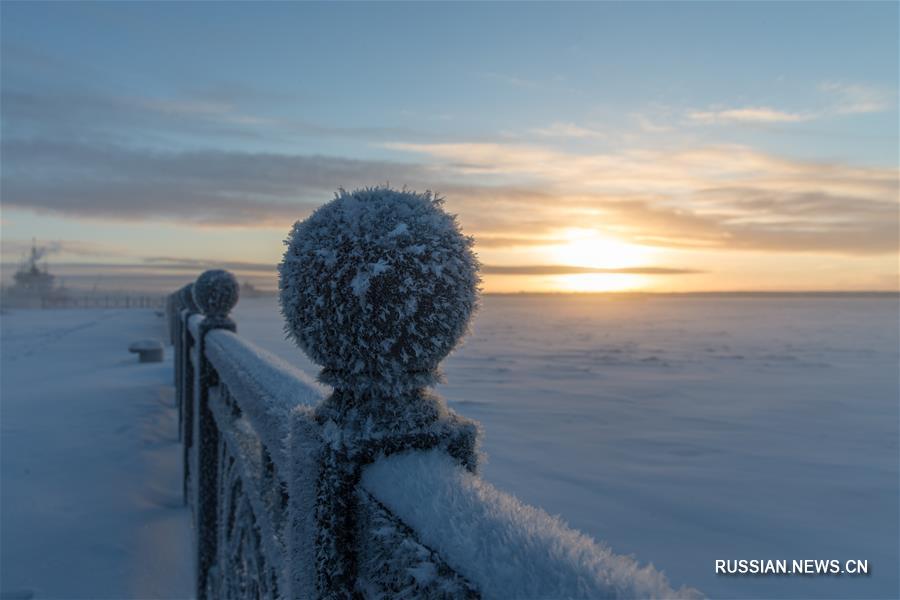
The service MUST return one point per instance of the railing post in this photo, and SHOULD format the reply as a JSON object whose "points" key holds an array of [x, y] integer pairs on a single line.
{"points": [[377, 287], [169, 303], [175, 336], [215, 293], [186, 381], [186, 308]]}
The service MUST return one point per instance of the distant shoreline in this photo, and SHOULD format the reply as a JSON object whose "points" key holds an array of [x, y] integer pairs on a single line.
{"points": [[735, 294], [125, 279]]}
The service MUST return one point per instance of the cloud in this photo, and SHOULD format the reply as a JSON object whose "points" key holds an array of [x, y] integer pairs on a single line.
{"points": [[50, 96], [199, 187], [841, 99], [87, 115], [648, 125], [567, 130], [750, 114], [508, 195], [494, 241], [855, 98], [728, 197], [215, 111], [197, 265], [569, 270]]}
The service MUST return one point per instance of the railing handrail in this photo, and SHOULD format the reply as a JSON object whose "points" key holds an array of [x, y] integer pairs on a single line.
{"points": [[541, 556], [265, 387], [521, 550]]}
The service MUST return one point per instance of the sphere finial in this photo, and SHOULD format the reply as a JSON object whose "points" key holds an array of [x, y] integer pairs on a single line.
{"points": [[378, 286], [216, 292]]}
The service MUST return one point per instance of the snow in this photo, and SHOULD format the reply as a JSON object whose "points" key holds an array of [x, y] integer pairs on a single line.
{"points": [[394, 565], [506, 549], [688, 429], [90, 502], [677, 429], [266, 388]]}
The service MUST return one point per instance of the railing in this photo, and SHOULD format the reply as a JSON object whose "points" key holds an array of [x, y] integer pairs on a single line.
{"points": [[371, 491], [104, 301], [70, 300]]}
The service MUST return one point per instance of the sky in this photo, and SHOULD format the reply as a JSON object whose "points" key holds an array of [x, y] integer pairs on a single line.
{"points": [[586, 146]]}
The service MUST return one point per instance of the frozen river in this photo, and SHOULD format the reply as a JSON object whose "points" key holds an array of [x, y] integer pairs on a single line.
{"points": [[678, 429], [689, 429]]}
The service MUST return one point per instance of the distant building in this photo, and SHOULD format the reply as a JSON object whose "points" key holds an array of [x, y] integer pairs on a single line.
{"points": [[248, 290]]}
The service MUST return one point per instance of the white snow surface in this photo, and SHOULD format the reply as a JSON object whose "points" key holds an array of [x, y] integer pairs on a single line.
{"points": [[680, 430], [688, 429], [90, 501]]}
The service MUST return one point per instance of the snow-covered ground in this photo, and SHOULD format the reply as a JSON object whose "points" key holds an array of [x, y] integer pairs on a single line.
{"points": [[689, 429], [90, 496], [682, 430]]}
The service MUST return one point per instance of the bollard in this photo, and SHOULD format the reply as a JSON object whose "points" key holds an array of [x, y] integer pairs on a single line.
{"points": [[147, 350]]}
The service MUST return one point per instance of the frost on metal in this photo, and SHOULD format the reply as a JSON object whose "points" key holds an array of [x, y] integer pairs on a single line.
{"points": [[371, 492], [354, 434], [249, 546], [504, 548], [377, 287], [395, 565]]}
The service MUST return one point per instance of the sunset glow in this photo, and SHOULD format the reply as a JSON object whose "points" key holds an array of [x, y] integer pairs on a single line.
{"points": [[587, 248], [693, 164]]}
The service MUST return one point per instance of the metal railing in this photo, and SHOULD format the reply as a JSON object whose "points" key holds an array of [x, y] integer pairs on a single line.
{"points": [[255, 457], [250, 437], [370, 490]]}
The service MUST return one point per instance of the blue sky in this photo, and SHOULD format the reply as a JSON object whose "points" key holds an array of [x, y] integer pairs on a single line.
{"points": [[748, 143]]}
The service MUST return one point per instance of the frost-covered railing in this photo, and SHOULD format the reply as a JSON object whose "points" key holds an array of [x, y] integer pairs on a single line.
{"points": [[371, 491]]}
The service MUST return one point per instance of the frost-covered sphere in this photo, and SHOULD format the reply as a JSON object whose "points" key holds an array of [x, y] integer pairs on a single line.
{"points": [[378, 286], [216, 293]]}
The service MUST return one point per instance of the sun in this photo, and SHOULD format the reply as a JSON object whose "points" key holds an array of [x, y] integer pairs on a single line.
{"points": [[588, 248]]}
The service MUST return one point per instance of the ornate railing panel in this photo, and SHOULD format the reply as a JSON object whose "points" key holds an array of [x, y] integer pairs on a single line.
{"points": [[250, 537]]}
